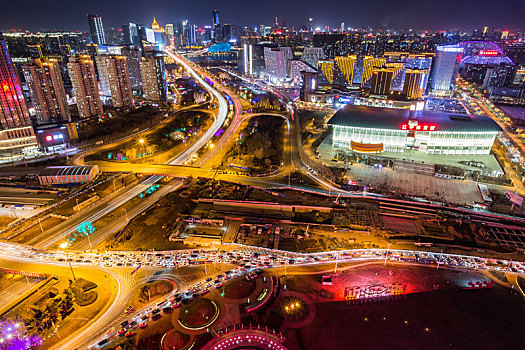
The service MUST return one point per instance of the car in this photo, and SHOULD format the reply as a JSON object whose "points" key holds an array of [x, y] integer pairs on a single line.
{"points": [[102, 342], [167, 310], [208, 279], [121, 332], [143, 325], [125, 323], [155, 311], [156, 317], [133, 324], [130, 334], [145, 318]]}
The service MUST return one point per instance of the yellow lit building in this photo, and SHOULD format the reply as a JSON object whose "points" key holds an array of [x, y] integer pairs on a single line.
{"points": [[369, 64], [346, 64], [327, 69]]}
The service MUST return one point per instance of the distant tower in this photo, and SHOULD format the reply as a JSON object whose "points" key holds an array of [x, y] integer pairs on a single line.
{"points": [[217, 30], [96, 29]]}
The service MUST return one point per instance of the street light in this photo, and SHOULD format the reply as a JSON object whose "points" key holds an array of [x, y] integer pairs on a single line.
{"points": [[64, 246]]}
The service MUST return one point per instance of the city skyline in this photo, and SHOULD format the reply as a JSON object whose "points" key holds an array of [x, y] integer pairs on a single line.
{"points": [[425, 15]]}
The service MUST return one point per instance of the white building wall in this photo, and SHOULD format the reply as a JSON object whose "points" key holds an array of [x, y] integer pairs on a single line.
{"points": [[431, 142]]}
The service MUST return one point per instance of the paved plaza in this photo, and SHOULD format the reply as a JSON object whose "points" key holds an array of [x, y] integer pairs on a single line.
{"points": [[456, 191]]}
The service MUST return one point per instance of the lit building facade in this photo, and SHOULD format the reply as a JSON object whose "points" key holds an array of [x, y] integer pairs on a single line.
{"points": [[85, 87], [312, 55], [47, 91], [133, 56], [374, 130], [414, 84], [16, 133], [115, 74], [276, 62], [295, 67], [153, 78], [381, 81], [445, 70], [96, 30]]}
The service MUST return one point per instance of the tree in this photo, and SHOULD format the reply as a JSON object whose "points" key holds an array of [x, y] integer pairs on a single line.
{"points": [[67, 303], [131, 153]]}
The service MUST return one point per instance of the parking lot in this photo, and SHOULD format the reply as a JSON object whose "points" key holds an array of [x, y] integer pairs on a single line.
{"points": [[457, 191]]}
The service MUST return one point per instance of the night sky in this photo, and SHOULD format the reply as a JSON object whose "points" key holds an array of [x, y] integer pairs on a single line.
{"points": [[396, 14]]}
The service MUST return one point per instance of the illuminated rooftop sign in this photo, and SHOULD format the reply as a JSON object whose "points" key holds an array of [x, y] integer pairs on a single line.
{"points": [[489, 53], [419, 127]]}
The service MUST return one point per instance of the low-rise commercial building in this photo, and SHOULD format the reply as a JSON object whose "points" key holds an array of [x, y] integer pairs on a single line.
{"points": [[63, 175], [374, 130]]}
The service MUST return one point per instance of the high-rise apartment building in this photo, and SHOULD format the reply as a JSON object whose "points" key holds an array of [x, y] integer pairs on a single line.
{"points": [[85, 87], [445, 69], [96, 29], [276, 62], [414, 84], [16, 132], [48, 96], [312, 55], [153, 78], [113, 72], [133, 56]]}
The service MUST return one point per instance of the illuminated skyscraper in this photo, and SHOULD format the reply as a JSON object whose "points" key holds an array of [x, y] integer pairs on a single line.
{"points": [[13, 111], [153, 78], [85, 87], [414, 85], [96, 29], [16, 131], [47, 90], [445, 69], [217, 30], [113, 71]]}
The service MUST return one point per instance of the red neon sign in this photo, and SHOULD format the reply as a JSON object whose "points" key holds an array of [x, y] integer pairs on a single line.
{"points": [[419, 127], [489, 53], [49, 138]]}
